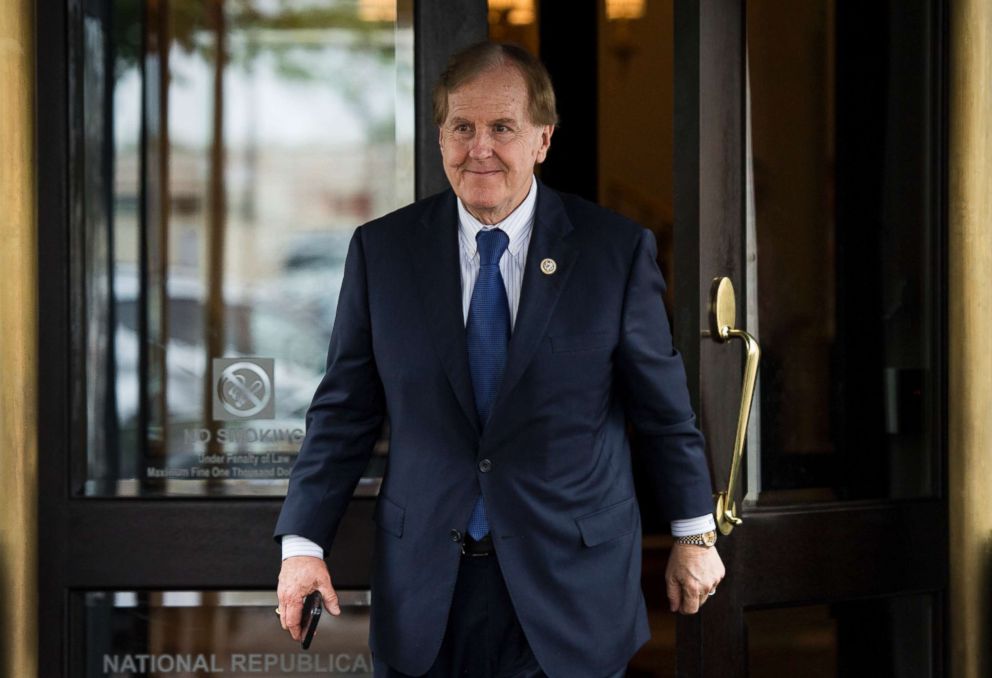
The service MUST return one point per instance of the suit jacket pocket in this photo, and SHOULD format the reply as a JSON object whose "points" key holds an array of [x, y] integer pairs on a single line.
{"points": [[389, 516], [569, 343], [608, 523]]}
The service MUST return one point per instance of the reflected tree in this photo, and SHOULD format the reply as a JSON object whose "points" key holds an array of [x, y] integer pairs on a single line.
{"points": [[295, 38]]}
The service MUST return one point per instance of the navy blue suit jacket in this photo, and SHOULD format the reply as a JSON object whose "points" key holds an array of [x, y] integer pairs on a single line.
{"points": [[591, 347]]}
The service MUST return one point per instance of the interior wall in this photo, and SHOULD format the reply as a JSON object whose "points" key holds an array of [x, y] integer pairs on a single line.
{"points": [[636, 107]]}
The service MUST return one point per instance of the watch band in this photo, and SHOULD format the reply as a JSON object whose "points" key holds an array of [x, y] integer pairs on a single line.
{"points": [[705, 539]]}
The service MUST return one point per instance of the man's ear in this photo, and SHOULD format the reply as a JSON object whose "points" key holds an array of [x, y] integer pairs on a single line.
{"points": [[542, 151], [440, 136]]}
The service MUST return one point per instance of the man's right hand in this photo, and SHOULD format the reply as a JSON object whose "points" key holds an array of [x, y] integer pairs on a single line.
{"points": [[299, 577]]}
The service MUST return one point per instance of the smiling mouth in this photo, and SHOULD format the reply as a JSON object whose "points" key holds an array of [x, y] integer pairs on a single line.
{"points": [[483, 172]]}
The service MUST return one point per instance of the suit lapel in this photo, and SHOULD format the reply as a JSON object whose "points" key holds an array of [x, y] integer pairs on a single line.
{"points": [[434, 245], [540, 291]]}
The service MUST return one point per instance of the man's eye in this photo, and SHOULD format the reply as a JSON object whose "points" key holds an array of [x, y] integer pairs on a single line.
{"points": [[501, 129], [462, 129]]}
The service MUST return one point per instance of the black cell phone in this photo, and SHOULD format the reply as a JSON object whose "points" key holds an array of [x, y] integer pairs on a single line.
{"points": [[313, 604]]}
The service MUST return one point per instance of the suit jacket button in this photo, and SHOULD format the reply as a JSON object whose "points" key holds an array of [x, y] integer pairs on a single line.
{"points": [[455, 535], [485, 466]]}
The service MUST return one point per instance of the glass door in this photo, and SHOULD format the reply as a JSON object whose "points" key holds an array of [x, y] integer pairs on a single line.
{"points": [[203, 167], [809, 169]]}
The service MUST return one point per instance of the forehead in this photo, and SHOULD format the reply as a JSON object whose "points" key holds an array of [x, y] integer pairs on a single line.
{"points": [[500, 92]]}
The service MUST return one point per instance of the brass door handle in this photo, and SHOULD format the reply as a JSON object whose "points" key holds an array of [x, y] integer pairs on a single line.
{"points": [[722, 315]]}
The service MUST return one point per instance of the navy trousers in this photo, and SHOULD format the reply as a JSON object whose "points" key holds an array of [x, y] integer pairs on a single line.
{"points": [[483, 638]]}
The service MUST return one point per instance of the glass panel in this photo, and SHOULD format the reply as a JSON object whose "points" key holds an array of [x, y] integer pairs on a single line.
{"points": [[843, 132], [194, 633], [886, 637], [230, 149]]}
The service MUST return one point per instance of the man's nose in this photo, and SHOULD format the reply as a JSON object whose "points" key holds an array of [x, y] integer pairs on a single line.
{"points": [[482, 145]]}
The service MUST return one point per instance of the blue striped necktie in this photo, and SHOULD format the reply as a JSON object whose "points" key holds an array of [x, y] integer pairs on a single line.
{"points": [[488, 333]]}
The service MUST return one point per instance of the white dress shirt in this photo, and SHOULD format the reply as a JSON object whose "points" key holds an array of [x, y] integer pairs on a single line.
{"points": [[518, 225]]}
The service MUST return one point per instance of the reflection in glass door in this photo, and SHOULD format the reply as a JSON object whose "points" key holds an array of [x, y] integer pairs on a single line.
{"points": [[231, 147], [842, 125]]}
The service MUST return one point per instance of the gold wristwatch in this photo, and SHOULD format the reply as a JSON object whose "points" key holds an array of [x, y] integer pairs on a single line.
{"points": [[706, 539]]}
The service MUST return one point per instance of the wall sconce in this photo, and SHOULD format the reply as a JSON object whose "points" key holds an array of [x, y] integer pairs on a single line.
{"points": [[514, 21], [618, 10], [377, 10], [619, 14], [512, 12]]}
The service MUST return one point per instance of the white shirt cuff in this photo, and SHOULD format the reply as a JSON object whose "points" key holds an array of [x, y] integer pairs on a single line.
{"points": [[294, 545], [680, 528]]}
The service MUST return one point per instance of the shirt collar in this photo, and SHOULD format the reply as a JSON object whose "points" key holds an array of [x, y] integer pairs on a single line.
{"points": [[518, 224]]}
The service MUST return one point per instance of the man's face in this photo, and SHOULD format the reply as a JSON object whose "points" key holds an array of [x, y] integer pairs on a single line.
{"points": [[489, 144]]}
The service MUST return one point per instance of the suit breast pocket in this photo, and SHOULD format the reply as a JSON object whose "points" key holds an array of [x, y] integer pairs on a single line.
{"points": [[574, 343]]}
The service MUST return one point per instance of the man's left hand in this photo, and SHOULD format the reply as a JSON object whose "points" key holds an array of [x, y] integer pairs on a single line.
{"points": [[693, 572]]}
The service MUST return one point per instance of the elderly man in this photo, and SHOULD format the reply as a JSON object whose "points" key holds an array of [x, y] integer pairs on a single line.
{"points": [[511, 332]]}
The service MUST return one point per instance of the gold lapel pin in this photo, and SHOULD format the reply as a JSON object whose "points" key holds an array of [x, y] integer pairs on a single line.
{"points": [[548, 266]]}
